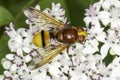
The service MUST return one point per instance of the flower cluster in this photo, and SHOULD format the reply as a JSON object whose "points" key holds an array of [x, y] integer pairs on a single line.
{"points": [[83, 62], [103, 24]]}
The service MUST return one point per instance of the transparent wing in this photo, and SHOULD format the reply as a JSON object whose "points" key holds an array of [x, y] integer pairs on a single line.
{"points": [[49, 54], [39, 17]]}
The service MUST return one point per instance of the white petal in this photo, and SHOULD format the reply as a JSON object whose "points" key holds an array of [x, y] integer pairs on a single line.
{"points": [[10, 42], [114, 25], [27, 13], [40, 76], [106, 4], [95, 22], [53, 70], [55, 7], [7, 73], [117, 3], [97, 5], [15, 43], [58, 4], [28, 58], [96, 28], [84, 77], [94, 43], [104, 50], [26, 49], [101, 37], [23, 32], [6, 64], [104, 14], [116, 49], [37, 7], [116, 73], [91, 47], [13, 68], [1, 77], [27, 42], [10, 56], [105, 21], [87, 21], [104, 17], [11, 24], [118, 22], [115, 62], [19, 52]]}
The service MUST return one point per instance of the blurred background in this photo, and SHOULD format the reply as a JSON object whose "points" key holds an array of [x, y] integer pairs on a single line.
{"points": [[11, 10]]}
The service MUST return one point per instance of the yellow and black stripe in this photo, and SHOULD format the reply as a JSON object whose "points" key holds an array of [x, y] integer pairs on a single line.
{"points": [[43, 38]]}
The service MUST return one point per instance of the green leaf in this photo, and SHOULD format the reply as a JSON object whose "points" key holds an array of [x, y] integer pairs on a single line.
{"points": [[108, 59], [5, 16], [76, 10], [16, 8], [3, 49]]}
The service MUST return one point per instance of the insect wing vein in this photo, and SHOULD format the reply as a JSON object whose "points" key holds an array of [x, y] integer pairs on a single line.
{"points": [[37, 14], [50, 54]]}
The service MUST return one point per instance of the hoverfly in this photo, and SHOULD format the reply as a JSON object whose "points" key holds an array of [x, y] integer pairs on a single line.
{"points": [[63, 35]]}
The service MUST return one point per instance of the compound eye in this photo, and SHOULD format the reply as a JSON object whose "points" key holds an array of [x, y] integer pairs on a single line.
{"points": [[81, 38]]}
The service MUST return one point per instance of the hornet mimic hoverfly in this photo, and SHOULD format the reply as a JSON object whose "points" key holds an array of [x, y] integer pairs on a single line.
{"points": [[62, 34]]}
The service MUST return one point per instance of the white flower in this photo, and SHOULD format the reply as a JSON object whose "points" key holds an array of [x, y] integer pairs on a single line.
{"points": [[111, 16], [103, 29], [11, 31], [114, 67], [40, 75], [54, 68], [115, 17], [6, 62], [1, 77], [90, 46], [17, 61], [20, 39], [57, 12], [91, 67], [111, 43], [92, 14], [95, 34], [27, 35], [107, 4], [25, 74], [9, 76], [15, 42]]}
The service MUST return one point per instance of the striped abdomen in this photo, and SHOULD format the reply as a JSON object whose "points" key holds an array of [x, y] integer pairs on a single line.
{"points": [[43, 38]]}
